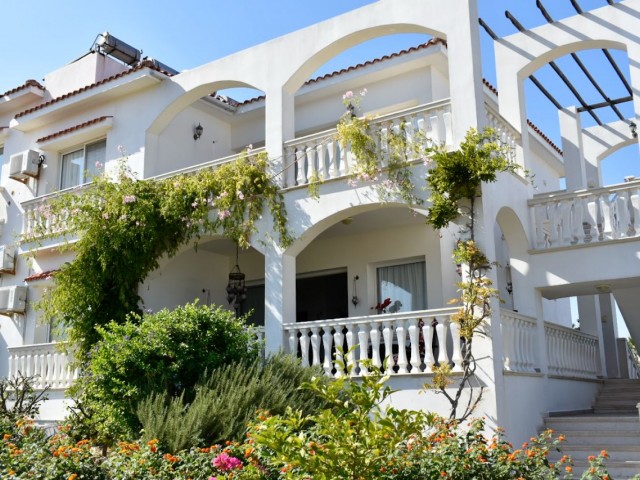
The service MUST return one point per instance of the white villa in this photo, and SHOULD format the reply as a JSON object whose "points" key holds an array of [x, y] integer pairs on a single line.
{"points": [[566, 236]]}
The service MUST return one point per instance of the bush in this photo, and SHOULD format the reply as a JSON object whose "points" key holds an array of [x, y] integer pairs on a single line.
{"points": [[226, 400], [164, 352], [18, 397]]}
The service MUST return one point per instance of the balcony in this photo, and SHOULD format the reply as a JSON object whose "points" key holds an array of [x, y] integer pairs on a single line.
{"points": [[586, 217], [320, 155], [46, 362]]}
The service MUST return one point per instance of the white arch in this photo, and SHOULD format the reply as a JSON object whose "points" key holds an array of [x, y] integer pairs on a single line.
{"points": [[279, 67], [519, 55]]}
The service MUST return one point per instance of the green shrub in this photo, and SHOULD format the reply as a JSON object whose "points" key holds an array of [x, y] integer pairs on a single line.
{"points": [[226, 400], [164, 352]]}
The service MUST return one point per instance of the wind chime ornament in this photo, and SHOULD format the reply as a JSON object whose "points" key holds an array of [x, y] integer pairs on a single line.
{"points": [[236, 289]]}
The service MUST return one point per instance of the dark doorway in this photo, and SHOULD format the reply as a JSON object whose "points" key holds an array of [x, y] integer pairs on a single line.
{"points": [[322, 297]]}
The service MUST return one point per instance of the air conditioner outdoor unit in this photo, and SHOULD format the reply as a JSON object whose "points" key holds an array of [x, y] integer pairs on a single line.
{"points": [[13, 299], [7, 259], [24, 165]]}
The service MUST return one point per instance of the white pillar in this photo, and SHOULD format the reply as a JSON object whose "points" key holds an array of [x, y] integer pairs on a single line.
{"points": [[466, 91], [574, 164], [589, 313], [279, 296], [279, 127], [608, 325]]}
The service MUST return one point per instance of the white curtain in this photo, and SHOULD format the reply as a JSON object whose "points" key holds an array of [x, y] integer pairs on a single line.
{"points": [[405, 285], [72, 169]]}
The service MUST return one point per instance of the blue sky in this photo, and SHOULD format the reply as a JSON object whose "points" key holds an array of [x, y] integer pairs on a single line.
{"points": [[39, 36]]}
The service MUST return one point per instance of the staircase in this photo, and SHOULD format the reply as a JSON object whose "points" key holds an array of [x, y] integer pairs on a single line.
{"points": [[614, 426]]}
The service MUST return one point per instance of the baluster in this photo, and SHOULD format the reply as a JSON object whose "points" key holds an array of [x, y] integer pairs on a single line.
{"points": [[427, 335], [554, 224], [351, 354], [293, 342], [387, 335], [315, 345], [312, 161], [402, 345], [542, 225], [565, 222], [634, 208], [338, 340], [456, 357], [290, 174], [441, 331], [363, 341], [590, 220], [301, 178], [330, 164], [375, 346], [448, 128], [604, 217], [622, 216], [304, 346], [577, 214], [507, 343], [12, 365], [521, 345], [327, 340], [414, 342], [436, 136]]}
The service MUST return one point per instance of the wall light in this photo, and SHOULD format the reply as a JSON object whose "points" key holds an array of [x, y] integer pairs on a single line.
{"points": [[197, 131]]}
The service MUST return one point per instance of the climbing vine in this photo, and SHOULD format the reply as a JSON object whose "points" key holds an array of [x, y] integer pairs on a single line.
{"points": [[382, 156], [121, 229]]}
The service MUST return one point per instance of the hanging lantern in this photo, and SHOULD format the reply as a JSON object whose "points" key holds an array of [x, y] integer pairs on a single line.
{"points": [[236, 289]]}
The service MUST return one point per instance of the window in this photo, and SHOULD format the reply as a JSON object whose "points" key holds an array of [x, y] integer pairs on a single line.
{"points": [[1, 153], [405, 285], [80, 165]]}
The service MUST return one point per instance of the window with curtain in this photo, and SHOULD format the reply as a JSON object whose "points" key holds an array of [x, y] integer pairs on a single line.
{"points": [[81, 165], [405, 285]]}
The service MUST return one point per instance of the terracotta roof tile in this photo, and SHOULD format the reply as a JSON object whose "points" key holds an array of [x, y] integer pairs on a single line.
{"points": [[431, 42], [27, 84], [41, 276], [493, 89], [73, 129], [140, 66], [544, 137]]}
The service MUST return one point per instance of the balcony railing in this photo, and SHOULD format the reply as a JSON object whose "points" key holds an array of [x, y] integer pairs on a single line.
{"points": [[405, 343], [50, 366], [571, 353], [519, 342], [321, 155], [38, 213], [587, 216]]}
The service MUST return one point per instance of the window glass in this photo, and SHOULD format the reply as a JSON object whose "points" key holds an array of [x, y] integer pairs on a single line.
{"points": [[405, 285], [81, 165], [1, 153]]}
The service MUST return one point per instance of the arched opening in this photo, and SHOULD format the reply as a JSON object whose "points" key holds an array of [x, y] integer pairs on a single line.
{"points": [[196, 130]]}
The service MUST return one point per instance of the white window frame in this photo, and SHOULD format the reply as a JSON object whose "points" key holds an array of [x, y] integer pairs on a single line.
{"points": [[82, 147]]}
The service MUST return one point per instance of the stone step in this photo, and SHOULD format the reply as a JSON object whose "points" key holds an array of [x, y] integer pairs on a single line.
{"points": [[616, 452], [604, 438], [619, 470], [593, 422]]}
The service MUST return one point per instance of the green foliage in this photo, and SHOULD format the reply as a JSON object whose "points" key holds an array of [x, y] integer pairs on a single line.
{"points": [[457, 175], [380, 156], [351, 439], [164, 352], [226, 400], [123, 228]]}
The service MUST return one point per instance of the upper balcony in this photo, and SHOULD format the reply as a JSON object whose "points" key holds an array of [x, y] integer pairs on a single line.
{"points": [[586, 217]]}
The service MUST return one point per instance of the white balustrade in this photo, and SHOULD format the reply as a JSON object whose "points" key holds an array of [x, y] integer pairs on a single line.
{"points": [[320, 156], [402, 343], [519, 342], [586, 216], [38, 217], [506, 134], [46, 362], [571, 353]]}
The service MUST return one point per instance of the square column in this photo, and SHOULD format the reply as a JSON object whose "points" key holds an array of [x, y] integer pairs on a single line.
{"points": [[279, 297], [574, 164]]}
